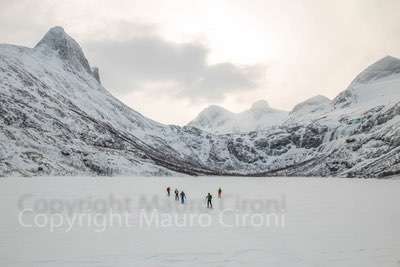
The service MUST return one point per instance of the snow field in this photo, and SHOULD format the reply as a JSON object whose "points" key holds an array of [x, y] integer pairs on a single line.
{"points": [[327, 222]]}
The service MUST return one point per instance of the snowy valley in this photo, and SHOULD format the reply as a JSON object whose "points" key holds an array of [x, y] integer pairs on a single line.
{"points": [[56, 118]]}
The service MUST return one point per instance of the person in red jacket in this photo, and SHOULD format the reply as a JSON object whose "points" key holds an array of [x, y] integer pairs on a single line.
{"points": [[219, 192]]}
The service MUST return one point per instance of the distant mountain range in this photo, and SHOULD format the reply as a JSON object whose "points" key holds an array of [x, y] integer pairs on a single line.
{"points": [[57, 119], [260, 116]]}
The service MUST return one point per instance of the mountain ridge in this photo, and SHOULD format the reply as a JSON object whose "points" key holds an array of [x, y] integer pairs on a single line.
{"points": [[382, 68], [56, 119], [217, 119], [68, 49]]}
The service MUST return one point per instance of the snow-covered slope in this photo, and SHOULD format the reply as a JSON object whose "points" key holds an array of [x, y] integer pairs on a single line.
{"points": [[356, 134], [310, 109], [57, 119], [376, 85], [218, 120], [384, 67], [213, 117]]}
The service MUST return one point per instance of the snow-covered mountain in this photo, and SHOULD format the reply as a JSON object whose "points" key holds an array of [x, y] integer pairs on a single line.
{"points": [[57, 119], [376, 85], [310, 109], [218, 120]]}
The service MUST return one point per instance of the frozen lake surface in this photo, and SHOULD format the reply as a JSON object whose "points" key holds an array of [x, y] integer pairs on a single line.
{"points": [[258, 222]]}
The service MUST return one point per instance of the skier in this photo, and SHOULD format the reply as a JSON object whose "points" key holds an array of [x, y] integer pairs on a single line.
{"points": [[209, 203], [219, 192], [183, 196], [176, 195], [169, 191]]}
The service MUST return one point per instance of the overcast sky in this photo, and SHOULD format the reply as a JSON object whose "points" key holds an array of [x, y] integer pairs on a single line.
{"points": [[170, 59]]}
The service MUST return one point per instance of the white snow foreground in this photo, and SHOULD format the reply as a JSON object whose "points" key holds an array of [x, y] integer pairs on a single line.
{"points": [[57, 119], [327, 222]]}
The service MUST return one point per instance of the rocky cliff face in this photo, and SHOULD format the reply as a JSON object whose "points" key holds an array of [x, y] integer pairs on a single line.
{"points": [[57, 119]]}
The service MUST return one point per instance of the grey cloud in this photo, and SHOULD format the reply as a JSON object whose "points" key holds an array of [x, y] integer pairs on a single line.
{"points": [[224, 77], [129, 65]]}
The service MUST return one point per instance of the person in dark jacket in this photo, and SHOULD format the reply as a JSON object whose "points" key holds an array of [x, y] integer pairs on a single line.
{"points": [[176, 195], [209, 201], [219, 192], [168, 191], [183, 196]]}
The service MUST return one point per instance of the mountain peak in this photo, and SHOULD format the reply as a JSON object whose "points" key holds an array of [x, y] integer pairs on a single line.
{"points": [[67, 48], [387, 63], [312, 104], [215, 108], [318, 99], [382, 68], [219, 120], [57, 39], [57, 30], [389, 58], [260, 104]]}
